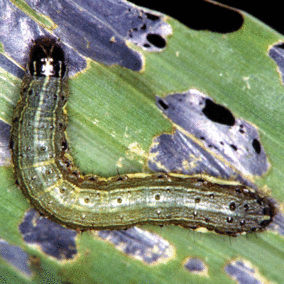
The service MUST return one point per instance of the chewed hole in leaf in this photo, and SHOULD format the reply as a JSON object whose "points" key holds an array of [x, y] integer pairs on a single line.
{"points": [[156, 40], [218, 113]]}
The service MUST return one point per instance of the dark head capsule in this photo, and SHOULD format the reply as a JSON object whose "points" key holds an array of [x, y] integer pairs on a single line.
{"points": [[47, 59]]}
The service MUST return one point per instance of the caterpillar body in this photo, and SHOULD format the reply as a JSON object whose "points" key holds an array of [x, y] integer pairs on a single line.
{"points": [[45, 172]]}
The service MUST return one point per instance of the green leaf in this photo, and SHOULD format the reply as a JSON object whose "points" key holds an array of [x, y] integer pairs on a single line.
{"points": [[113, 119]]}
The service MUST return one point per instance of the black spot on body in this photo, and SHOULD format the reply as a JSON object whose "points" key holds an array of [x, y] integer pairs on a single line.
{"points": [[267, 211], [15, 119], [238, 190], [62, 189], [230, 233], [92, 178], [218, 113], [230, 219], [197, 200], [43, 148], [157, 197], [76, 173], [232, 206], [67, 163], [264, 223], [161, 176], [64, 145], [11, 143]]}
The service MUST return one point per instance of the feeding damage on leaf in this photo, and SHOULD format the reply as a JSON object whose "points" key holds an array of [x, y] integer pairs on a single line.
{"points": [[52, 238], [276, 52], [16, 257], [139, 244], [208, 138], [196, 265], [148, 30], [243, 271], [104, 34]]}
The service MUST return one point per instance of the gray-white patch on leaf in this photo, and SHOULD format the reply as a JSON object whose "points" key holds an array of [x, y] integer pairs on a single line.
{"points": [[196, 266], [276, 52], [243, 272], [52, 238], [140, 244], [209, 139], [5, 154], [149, 31], [99, 30], [16, 257]]}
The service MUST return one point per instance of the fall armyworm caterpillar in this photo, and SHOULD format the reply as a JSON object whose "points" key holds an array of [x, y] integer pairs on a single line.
{"points": [[48, 178]]}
